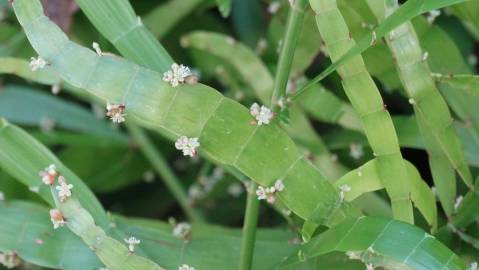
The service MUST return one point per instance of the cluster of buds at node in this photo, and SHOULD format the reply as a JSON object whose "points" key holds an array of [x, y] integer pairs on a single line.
{"points": [[342, 191], [10, 259], [64, 189], [268, 193], [182, 230], [179, 74], [37, 63], [132, 242], [186, 267], [187, 145], [116, 112], [262, 114], [49, 175], [57, 218]]}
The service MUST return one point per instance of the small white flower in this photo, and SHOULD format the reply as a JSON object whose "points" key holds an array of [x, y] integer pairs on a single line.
{"points": [[369, 266], [186, 267], [261, 46], [273, 7], [182, 230], [176, 75], [195, 192], [49, 174], [57, 218], [56, 88], [279, 185], [2, 196], [356, 150], [261, 193], [97, 49], [132, 242], [262, 114], [353, 255], [64, 189], [10, 260], [458, 202], [433, 14], [411, 101], [473, 266], [235, 190], [37, 63], [343, 189], [187, 145], [425, 55], [269, 193], [116, 112]]}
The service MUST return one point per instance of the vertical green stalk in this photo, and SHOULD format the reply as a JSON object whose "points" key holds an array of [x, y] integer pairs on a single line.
{"points": [[295, 21], [432, 113], [249, 228], [163, 169], [366, 100]]}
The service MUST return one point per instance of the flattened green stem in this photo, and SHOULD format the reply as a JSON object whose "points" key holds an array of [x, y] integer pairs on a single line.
{"points": [[249, 228], [406, 12], [293, 29], [163, 169], [366, 100], [432, 113], [263, 153], [113, 253]]}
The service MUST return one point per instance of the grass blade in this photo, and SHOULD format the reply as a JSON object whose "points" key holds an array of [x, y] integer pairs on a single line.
{"points": [[366, 99]]}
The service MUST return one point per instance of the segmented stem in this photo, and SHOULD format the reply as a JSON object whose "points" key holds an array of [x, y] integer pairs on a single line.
{"points": [[432, 113], [366, 100]]}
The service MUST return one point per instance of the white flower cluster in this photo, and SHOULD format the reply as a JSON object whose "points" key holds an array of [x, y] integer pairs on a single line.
{"points": [[116, 112], [177, 75], [64, 189], [57, 218], [262, 114], [268, 193], [186, 267], [182, 230], [37, 63], [132, 242], [187, 145], [10, 260], [49, 174], [473, 266]]}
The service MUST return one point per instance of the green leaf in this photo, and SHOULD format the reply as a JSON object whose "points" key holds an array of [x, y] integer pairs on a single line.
{"points": [[382, 243]]}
